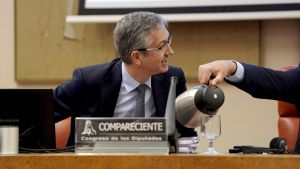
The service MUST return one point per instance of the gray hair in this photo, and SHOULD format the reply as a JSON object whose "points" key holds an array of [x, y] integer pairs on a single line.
{"points": [[133, 30]]}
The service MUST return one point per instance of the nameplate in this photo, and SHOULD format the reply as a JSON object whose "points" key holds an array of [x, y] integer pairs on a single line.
{"points": [[116, 135]]}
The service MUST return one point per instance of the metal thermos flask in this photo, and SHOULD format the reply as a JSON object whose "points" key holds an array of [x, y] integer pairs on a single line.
{"points": [[191, 104]]}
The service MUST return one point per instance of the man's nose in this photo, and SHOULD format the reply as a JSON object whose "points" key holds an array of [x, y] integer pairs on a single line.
{"points": [[169, 50]]}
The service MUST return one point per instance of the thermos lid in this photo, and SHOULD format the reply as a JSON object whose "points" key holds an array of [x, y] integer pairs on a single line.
{"points": [[208, 100]]}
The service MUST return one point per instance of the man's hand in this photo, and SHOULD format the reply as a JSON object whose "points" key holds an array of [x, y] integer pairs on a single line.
{"points": [[216, 71]]}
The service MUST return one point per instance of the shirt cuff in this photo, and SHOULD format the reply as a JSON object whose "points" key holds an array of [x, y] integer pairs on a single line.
{"points": [[238, 76]]}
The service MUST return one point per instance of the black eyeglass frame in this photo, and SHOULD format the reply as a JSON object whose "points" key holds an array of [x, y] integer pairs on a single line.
{"points": [[164, 45]]}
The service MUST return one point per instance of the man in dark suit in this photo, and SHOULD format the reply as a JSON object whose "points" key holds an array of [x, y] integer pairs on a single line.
{"points": [[258, 81], [142, 41]]}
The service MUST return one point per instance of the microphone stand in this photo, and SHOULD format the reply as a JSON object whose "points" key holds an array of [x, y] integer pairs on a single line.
{"points": [[172, 133]]}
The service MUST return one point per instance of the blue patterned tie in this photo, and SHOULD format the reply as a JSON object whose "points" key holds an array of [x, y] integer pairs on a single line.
{"points": [[140, 101]]}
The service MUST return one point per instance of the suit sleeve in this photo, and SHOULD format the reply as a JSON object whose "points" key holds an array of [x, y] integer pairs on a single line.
{"points": [[67, 96], [271, 84]]}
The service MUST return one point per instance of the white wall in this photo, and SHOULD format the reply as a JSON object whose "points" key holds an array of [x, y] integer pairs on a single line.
{"points": [[245, 121]]}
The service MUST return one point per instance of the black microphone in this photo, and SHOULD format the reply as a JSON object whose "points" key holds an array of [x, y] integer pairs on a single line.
{"points": [[255, 150], [277, 146]]}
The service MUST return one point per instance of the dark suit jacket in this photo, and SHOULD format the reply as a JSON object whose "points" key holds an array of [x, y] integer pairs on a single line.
{"points": [[271, 84], [93, 92]]}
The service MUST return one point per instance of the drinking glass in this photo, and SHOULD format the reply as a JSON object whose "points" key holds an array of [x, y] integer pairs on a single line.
{"points": [[210, 130]]}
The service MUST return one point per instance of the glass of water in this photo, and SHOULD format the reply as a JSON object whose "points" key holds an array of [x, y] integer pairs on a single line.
{"points": [[210, 130]]}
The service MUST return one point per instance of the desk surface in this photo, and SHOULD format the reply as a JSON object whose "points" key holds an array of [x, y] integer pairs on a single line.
{"points": [[174, 161]]}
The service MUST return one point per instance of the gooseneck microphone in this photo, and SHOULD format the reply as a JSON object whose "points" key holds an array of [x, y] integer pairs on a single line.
{"points": [[170, 109], [170, 117]]}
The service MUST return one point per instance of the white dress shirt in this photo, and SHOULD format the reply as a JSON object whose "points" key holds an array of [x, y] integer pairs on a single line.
{"points": [[126, 102], [238, 75]]}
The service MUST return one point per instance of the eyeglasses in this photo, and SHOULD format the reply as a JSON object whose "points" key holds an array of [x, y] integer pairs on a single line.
{"points": [[163, 46]]}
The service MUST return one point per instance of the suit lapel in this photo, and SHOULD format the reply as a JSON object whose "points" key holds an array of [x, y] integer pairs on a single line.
{"points": [[110, 91], [160, 93]]}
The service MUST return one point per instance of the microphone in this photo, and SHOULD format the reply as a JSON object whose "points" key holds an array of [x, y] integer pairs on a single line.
{"points": [[170, 109], [277, 146], [170, 117], [255, 150], [192, 103]]}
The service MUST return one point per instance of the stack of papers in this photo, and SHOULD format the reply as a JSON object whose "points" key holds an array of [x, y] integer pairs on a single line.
{"points": [[188, 144]]}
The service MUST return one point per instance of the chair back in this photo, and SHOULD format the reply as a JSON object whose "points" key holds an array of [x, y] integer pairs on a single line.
{"points": [[288, 122], [62, 132]]}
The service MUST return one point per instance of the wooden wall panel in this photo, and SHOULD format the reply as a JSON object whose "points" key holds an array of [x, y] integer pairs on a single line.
{"points": [[44, 54], [201, 42], [45, 51]]}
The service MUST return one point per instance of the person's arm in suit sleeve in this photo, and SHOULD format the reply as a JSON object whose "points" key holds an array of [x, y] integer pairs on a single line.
{"points": [[258, 81], [267, 83], [67, 96]]}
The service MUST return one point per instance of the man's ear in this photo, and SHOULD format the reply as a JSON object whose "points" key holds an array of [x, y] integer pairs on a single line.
{"points": [[136, 57]]}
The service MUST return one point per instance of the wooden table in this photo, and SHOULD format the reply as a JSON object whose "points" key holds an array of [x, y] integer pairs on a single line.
{"points": [[173, 161]]}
